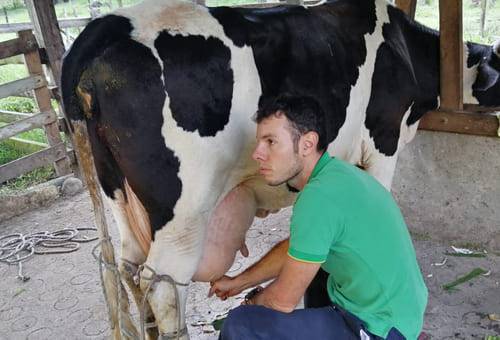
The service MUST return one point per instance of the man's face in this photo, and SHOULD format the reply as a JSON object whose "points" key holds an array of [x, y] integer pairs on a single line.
{"points": [[279, 162]]}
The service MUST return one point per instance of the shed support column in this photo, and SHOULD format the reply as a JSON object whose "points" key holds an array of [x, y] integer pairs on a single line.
{"points": [[451, 49]]}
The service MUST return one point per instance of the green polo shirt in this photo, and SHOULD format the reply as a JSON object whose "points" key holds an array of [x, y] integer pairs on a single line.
{"points": [[348, 222]]}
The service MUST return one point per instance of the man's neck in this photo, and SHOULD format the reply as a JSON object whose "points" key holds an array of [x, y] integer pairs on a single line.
{"points": [[300, 181]]}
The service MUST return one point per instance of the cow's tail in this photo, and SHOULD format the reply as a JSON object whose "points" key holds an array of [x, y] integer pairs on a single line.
{"points": [[76, 90]]}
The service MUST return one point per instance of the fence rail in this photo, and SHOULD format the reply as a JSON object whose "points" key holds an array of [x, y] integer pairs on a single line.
{"points": [[63, 23], [22, 85], [20, 122], [26, 124], [15, 46], [31, 162]]}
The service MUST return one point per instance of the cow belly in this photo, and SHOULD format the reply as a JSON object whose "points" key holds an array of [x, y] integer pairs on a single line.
{"points": [[226, 233]]}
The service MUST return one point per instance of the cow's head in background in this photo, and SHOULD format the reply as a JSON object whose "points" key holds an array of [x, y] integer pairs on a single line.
{"points": [[486, 88]]}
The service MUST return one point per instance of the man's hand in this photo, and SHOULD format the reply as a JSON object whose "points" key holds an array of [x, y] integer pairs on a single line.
{"points": [[265, 269], [225, 287]]}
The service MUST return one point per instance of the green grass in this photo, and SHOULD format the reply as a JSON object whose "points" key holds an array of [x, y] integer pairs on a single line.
{"points": [[37, 176], [429, 16]]}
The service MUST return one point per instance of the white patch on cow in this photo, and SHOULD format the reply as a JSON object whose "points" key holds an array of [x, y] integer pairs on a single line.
{"points": [[470, 74], [349, 143], [406, 133]]}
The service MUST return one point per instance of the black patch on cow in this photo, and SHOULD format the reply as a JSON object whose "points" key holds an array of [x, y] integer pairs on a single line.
{"points": [[125, 130], [98, 35], [315, 51], [198, 79], [406, 71], [233, 24], [476, 53], [486, 87]]}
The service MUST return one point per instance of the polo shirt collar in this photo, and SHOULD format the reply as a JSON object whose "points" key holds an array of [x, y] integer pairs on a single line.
{"points": [[324, 159]]}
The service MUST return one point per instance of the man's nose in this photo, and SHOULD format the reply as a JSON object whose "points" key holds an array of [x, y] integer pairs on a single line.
{"points": [[257, 154]]}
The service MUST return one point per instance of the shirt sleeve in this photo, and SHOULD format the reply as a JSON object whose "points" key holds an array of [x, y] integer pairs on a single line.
{"points": [[314, 227]]}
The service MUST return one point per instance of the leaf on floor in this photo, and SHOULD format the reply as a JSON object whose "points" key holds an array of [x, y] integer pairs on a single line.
{"points": [[475, 272]]}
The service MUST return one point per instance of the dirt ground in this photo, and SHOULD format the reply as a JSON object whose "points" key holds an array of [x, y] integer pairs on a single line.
{"points": [[63, 298]]}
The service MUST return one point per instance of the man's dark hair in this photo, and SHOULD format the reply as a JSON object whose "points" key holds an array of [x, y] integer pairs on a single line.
{"points": [[304, 114]]}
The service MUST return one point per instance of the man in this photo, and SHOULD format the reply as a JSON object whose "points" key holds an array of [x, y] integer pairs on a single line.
{"points": [[344, 222]]}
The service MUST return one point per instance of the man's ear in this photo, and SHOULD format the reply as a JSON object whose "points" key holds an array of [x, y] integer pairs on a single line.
{"points": [[309, 142]]}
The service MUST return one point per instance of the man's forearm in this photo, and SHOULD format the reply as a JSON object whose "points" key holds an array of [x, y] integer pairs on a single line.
{"points": [[266, 268]]}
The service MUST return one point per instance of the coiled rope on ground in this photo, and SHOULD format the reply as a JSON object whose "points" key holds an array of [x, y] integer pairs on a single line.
{"points": [[17, 248]]}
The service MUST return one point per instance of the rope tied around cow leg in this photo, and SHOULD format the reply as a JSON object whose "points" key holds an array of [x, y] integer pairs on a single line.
{"points": [[113, 268], [154, 278]]}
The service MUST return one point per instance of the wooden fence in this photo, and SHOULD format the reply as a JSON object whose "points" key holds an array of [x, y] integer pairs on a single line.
{"points": [[47, 118]]}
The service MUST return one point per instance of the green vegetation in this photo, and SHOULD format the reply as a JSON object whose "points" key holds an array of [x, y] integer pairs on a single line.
{"points": [[428, 14]]}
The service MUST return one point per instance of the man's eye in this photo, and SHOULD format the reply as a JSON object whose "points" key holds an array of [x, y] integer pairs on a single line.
{"points": [[271, 142]]}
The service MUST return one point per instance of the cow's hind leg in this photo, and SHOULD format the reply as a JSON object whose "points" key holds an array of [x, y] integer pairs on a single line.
{"points": [[130, 219], [128, 273], [171, 263]]}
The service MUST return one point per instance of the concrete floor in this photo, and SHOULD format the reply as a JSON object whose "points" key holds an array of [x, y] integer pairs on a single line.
{"points": [[63, 298]]}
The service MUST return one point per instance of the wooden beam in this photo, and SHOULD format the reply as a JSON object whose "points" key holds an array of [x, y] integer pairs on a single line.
{"points": [[483, 109], [451, 50], [407, 6], [26, 124], [48, 33], [28, 163], [22, 85], [461, 122], [25, 145], [63, 23], [11, 116], [14, 47]]}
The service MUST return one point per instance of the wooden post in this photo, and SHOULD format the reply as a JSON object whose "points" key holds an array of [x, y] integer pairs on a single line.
{"points": [[451, 50], [408, 6], [42, 96], [6, 15], [484, 6], [47, 32]]}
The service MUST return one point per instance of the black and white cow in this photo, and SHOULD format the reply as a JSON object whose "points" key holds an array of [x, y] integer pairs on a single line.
{"points": [[168, 90]]}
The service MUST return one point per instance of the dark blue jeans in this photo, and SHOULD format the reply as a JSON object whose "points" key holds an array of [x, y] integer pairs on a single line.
{"points": [[261, 323], [319, 320]]}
